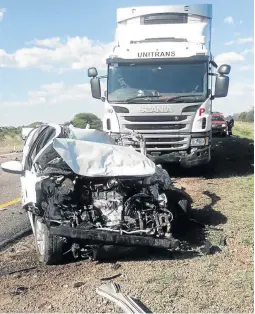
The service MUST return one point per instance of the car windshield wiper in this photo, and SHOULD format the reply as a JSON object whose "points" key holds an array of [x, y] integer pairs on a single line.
{"points": [[179, 97], [142, 97]]}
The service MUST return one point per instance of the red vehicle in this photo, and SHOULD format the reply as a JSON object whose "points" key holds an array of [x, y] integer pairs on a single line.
{"points": [[219, 124]]}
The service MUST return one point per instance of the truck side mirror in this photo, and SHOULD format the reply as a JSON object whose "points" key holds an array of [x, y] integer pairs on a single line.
{"points": [[224, 69], [221, 86], [95, 87], [92, 72], [222, 81]]}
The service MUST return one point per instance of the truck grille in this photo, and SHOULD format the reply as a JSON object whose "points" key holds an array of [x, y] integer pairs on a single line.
{"points": [[161, 132], [155, 118], [163, 140], [152, 126]]}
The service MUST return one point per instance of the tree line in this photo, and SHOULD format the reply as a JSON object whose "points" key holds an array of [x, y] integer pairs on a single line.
{"points": [[80, 120], [245, 116]]}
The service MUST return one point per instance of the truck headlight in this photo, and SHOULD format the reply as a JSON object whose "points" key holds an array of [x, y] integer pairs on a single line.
{"points": [[201, 141], [223, 125]]}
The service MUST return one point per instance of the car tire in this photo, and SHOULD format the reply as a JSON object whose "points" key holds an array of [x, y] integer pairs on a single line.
{"points": [[180, 199], [179, 203], [49, 247]]}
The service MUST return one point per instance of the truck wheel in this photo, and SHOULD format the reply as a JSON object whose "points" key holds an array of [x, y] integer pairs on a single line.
{"points": [[49, 247]]}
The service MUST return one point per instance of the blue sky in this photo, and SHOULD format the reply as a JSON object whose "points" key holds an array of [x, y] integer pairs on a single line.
{"points": [[46, 47]]}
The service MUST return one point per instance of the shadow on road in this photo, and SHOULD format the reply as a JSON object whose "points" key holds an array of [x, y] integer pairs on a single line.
{"points": [[231, 157], [207, 215]]}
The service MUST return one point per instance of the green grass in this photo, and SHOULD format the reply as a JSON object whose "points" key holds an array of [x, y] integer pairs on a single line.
{"points": [[244, 130], [10, 143]]}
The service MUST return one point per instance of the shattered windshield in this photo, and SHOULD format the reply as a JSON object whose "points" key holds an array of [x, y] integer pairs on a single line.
{"points": [[156, 79]]}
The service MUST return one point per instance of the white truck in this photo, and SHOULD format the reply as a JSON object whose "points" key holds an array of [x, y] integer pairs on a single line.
{"points": [[161, 80]]}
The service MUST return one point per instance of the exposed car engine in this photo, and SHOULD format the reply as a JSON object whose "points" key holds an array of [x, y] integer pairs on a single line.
{"points": [[129, 206]]}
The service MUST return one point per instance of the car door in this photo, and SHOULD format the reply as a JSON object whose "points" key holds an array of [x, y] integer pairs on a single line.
{"points": [[34, 147], [29, 148]]}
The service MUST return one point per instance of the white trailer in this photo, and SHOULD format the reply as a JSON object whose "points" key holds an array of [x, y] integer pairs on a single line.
{"points": [[161, 81]]}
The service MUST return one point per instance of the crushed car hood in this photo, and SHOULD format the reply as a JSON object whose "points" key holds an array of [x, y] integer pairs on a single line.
{"points": [[93, 159], [90, 135]]}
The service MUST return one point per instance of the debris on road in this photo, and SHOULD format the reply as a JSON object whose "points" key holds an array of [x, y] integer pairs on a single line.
{"points": [[20, 270], [223, 240], [110, 278], [78, 284], [209, 248], [19, 290], [116, 266], [113, 293]]}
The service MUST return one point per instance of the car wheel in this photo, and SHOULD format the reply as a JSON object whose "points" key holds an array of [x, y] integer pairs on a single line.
{"points": [[49, 247], [181, 201]]}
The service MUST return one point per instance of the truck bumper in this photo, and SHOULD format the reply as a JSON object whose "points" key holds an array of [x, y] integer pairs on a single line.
{"points": [[196, 157]]}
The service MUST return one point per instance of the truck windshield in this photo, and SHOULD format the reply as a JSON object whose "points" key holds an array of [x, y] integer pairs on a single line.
{"points": [[167, 79]]}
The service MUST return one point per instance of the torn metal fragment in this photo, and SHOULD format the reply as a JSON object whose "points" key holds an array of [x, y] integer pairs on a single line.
{"points": [[113, 293]]}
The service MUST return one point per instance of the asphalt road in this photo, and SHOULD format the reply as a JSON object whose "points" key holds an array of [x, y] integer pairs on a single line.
{"points": [[13, 219]]}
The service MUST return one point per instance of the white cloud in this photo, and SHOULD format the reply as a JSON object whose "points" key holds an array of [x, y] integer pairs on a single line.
{"points": [[2, 12], [76, 53], [229, 20], [240, 89], [246, 51], [229, 57], [54, 93], [246, 68], [240, 41], [240, 98], [53, 42]]}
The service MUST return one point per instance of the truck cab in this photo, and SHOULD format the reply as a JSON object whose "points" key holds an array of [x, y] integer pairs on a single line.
{"points": [[160, 81]]}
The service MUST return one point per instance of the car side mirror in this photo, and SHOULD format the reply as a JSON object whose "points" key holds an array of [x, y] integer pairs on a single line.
{"points": [[95, 87], [14, 167]]}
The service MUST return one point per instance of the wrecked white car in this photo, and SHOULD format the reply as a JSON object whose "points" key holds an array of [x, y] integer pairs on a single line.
{"points": [[82, 190]]}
